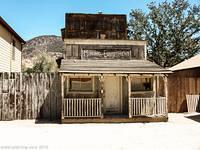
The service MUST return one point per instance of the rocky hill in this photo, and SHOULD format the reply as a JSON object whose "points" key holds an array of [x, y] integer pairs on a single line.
{"points": [[50, 44]]}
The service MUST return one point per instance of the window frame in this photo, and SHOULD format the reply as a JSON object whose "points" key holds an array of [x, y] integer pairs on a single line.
{"points": [[80, 92], [13, 50], [145, 91]]}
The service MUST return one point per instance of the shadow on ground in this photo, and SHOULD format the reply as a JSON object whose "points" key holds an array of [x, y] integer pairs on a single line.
{"points": [[43, 121], [194, 117]]}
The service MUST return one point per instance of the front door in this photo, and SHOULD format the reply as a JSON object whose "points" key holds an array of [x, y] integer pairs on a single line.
{"points": [[112, 101]]}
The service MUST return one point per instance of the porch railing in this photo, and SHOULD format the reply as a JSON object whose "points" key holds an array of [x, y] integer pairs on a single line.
{"points": [[82, 107], [147, 106]]}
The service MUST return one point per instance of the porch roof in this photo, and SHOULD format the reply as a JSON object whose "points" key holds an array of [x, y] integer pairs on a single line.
{"points": [[111, 66]]}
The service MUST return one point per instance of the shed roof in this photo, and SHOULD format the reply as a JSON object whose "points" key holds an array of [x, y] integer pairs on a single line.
{"points": [[10, 29], [193, 62], [111, 66]]}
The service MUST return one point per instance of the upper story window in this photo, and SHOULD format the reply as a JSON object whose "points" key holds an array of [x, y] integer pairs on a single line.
{"points": [[13, 49]]}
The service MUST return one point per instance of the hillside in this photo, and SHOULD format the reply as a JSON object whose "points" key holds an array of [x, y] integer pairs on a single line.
{"points": [[50, 44], [47, 43]]}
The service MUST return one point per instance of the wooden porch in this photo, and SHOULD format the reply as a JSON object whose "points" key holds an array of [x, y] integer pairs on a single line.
{"points": [[90, 106], [86, 110], [117, 119]]}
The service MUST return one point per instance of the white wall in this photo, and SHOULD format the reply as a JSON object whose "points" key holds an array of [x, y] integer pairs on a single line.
{"points": [[6, 62]]}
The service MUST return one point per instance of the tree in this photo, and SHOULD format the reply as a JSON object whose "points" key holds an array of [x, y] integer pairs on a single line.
{"points": [[43, 63], [171, 29]]}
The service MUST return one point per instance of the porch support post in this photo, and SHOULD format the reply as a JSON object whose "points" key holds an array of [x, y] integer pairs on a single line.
{"points": [[62, 96], [166, 92], [129, 97], [154, 94], [102, 93]]}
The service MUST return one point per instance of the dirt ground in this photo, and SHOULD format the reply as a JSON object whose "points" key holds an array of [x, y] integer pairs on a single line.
{"points": [[181, 132]]}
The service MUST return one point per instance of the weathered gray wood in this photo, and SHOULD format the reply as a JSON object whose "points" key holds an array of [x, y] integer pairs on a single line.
{"points": [[129, 96], [193, 103], [82, 107], [146, 106], [1, 90], [30, 96]]}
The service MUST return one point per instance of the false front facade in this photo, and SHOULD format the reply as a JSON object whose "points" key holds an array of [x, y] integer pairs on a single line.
{"points": [[110, 79]]}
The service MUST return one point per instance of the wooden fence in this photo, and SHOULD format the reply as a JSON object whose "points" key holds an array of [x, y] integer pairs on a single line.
{"points": [[82, 107], [148, 106], [30, 96]]}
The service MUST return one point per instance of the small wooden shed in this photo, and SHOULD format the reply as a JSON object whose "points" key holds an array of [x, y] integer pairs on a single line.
{"points": [[185, 80]]}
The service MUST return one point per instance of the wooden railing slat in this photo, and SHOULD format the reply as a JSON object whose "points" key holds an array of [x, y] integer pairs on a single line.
{"points": [[82, 107], [148, 106]]}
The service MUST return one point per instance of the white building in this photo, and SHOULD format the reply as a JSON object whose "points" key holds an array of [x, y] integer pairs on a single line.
{"points": [[10, 48]]}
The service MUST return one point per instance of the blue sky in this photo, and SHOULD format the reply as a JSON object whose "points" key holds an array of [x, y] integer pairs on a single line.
{"points": [[31, 18]]}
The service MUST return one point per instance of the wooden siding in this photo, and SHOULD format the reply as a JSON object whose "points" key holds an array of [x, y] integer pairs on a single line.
{"points": [[9, 37], [6, 63], [30, 96], [180, 84], [95, 26]]}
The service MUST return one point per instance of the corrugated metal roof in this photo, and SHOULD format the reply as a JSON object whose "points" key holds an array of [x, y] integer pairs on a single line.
{"points": [[193, 62], [111, 66]]}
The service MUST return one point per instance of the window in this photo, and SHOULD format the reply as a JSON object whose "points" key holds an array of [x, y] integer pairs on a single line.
{"points": [[13, 50], [80, 84], [141, 84]]}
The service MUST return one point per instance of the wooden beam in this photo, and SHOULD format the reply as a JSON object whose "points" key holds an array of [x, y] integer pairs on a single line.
{"points": [[155, 94], [141, 75], [82, 74], [103, 42], [129, 96], [62, 96], [102, 93], [166, 91], [145, 51], [155, 86]]}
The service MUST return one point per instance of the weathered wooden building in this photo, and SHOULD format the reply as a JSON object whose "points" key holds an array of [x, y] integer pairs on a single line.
{"points": [[10, 48], [95, 26], [185, 80], [108, 78]]}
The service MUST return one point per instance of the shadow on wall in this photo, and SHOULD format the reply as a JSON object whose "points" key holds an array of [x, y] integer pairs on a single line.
{"points": [[198, 105], [183, 107], [50, 111]]}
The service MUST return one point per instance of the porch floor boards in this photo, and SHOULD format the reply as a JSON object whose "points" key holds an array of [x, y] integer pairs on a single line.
{"points": [[117, 119]]}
